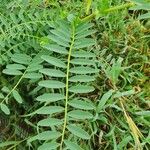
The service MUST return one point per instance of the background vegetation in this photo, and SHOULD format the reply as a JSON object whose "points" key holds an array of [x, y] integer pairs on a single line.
{"points": [[74, 74]]}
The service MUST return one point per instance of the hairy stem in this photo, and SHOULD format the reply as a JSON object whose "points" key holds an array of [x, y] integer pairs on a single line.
{"points": [[67, 86]]}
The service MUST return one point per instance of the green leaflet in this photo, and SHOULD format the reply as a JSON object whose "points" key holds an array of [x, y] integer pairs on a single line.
{"points": [[49, 110], [126, 93], [33, 75], [140, 6], [65, 32], [72, 145], [5, 109], [143, 113], [5, 89], [64, 27], [46, 135], [61, 35], [15, 67], [77, 131], [1, 96], [81, 89], [55, 48], [104, 99], [83, 27], [52, 84], [50, 122], [79, 114], [52, 72], [114, 71], [84, 33], [48, 146], [82, 53], [85, 42], [34, 67], [58, 40], [82, 62], [81, 104], [21, 58], [83, 70], [12, 72], [17, 96], [81, 78], [50, 97], [54, 61]]}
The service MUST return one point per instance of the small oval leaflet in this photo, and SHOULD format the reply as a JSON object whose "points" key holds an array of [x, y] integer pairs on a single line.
{"points": [[72, 145], [78, 61], [54, 61], [33, 75], [81, 78], [48, 146], [5, 109], [83, 70], [50, 122], [49, 110], [50, 97], [55, 48], [46, 135], [81, 104], [52, 72], [12, 72], [81, 89], [52, 84], [80, 114], [17, 96], [77, 131], [21, 58], [15, 66]]}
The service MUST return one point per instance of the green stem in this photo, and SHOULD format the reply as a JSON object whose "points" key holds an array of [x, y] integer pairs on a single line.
{"points": [[89, 17], [123, 6], [5, 99], [67, 87], [109, 10]]}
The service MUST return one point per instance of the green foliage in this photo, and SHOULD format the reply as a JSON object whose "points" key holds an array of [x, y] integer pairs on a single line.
{"points": [[72, 83], [142, 5]]}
